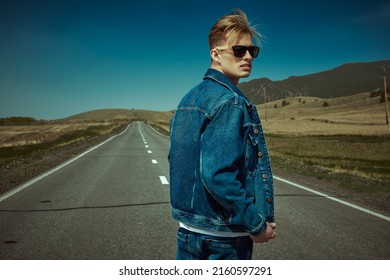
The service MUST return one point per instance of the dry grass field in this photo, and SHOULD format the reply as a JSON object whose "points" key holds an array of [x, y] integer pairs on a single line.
{"points": [[17, 136], [345, 146], [353, 115], [77, 128], [342, 148]]}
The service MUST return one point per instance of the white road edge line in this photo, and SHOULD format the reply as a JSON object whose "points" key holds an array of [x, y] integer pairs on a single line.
{"points": [[334, 199], [157, 131], [40, 177], [164, 180]]}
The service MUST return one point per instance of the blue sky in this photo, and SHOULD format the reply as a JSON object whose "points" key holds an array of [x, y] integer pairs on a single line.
{"points": [[60, 58]]}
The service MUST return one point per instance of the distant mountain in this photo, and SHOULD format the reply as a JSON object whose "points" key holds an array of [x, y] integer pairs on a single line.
{"points": [[347, 79]]}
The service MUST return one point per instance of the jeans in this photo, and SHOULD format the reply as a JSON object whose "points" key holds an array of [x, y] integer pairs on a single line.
{"points": [[195, 246]]}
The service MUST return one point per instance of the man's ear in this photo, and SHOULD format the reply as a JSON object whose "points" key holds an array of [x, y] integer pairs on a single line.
{"points": [[215, 55]]}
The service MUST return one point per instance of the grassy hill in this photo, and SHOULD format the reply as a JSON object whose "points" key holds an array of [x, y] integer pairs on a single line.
{"points": [[357, 114], [118, 115], [80, 127]]}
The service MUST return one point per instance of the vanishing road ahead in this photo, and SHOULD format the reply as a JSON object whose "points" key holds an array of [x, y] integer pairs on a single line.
{"points": [[112, 202]]}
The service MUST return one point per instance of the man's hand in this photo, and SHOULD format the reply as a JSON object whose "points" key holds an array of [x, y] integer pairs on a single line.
{"points": [[268, 234]]}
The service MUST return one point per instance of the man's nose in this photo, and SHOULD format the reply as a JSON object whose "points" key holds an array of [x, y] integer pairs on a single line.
{"points": [[247, 55]]}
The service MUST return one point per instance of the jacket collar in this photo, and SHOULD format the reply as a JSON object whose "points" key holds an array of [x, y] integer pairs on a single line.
{"points": [[225, 81]]}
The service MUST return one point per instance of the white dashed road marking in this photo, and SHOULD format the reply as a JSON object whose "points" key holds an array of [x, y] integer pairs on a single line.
{"points": [[164, 180]]}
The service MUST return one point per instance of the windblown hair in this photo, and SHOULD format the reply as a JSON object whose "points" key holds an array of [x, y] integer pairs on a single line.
{"points": [[229, 28]]}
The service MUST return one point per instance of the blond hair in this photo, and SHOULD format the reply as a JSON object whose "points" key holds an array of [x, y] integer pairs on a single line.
{"points": [[230, 27]]}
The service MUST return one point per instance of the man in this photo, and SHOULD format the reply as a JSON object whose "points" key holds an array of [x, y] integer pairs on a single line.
{"points": [[220, 173]]}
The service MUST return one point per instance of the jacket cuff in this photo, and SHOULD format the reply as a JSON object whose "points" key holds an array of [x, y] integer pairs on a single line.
{"points": [[261, 228]]}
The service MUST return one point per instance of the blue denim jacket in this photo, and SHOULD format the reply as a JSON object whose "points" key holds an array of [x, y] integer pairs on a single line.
{"points": [[220, 172]]}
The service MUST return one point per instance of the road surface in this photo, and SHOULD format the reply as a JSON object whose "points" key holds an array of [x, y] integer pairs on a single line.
{"points": [[112, 202]]}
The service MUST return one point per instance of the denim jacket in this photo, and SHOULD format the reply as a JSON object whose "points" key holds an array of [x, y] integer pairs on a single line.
{"points": [[220, 172]]}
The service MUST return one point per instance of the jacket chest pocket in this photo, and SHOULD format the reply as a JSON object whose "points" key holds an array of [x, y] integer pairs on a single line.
{"points": [[252, 150]]}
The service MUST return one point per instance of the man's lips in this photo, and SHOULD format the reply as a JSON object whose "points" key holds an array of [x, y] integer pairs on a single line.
{"points": [[246, 67]]}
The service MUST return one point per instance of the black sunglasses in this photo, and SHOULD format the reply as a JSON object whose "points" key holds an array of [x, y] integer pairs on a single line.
{"points": [[240, 51]]}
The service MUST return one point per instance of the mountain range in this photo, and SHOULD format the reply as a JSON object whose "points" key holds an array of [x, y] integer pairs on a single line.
{"points": [[347, 79]]}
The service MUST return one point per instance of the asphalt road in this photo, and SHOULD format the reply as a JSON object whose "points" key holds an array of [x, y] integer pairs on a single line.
{"points": [[112, 202]]}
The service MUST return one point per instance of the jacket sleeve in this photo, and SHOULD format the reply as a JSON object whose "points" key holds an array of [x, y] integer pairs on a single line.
{"points": [[222, 155]]}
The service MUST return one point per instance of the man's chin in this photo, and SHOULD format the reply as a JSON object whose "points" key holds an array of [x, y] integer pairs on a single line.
{"points": [[245, 74]]}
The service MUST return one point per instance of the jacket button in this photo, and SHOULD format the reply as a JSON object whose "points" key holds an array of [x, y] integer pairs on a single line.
{"points": [[260, 154], [269, 200], [264, 176], [255, 131]]}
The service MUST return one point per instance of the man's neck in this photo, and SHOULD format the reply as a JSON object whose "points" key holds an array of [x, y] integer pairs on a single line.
{"points": [[233, 80]]}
